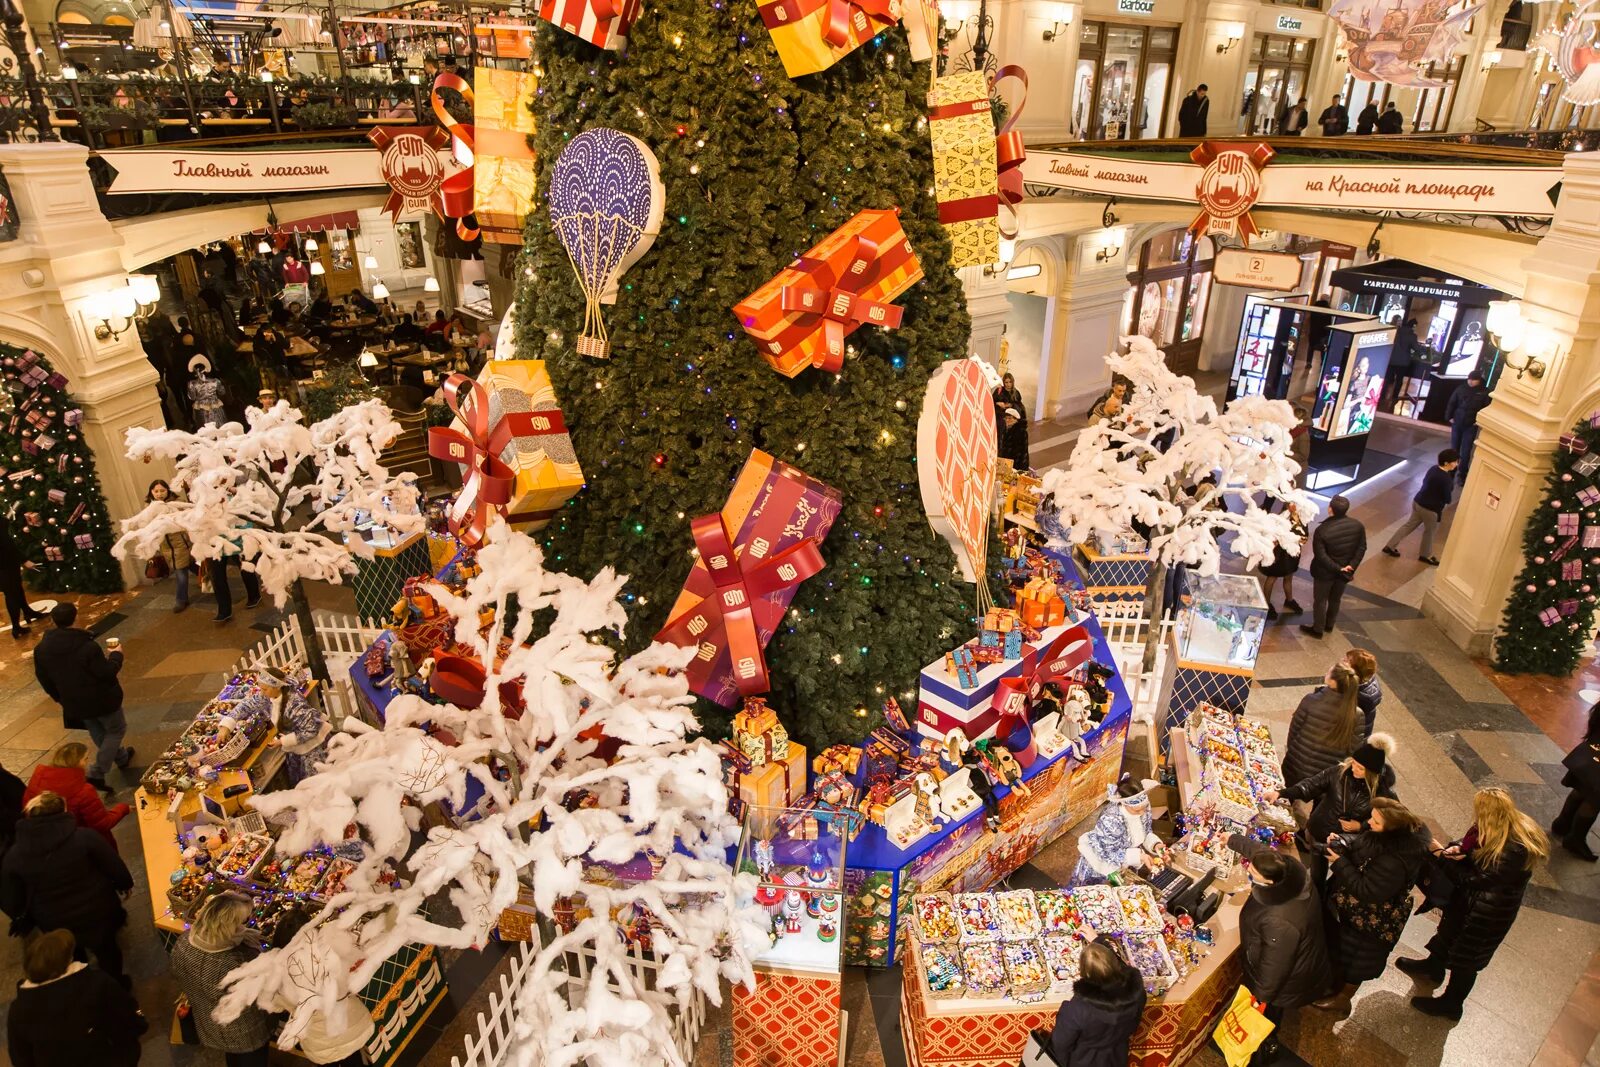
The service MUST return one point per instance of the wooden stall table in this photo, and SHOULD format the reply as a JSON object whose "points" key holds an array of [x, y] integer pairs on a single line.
{"points": [[991, 1032]]}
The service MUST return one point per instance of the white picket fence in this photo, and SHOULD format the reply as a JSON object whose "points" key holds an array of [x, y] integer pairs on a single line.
{"points": [[491, 1045], [342, 638], [1125, 628]]}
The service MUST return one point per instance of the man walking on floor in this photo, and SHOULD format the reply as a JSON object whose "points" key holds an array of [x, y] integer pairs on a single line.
{"points": [[1336, 551], [1461, 412], [1427, 507], [82, 678]]}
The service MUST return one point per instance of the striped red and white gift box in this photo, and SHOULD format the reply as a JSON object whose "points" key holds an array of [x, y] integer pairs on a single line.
{"points": [[600, 22]]}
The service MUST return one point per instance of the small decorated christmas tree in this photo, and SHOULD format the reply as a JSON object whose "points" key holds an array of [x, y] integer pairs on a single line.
{"points": [[48, 484]]}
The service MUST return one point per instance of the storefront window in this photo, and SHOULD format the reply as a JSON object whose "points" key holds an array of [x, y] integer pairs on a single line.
{"points": [[1433, 104], [1280, 68], [1168, 289], [1120, 87]]}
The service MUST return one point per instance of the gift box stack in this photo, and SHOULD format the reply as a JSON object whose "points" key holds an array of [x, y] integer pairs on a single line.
{"points": [[1001, 632], [777, 775], [1041, 603], [841, 758], [541, 457], [949, 699], [965, 167], [800, 318]]}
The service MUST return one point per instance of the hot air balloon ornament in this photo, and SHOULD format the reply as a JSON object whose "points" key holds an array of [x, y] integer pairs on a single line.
{"points": [[606, 202]]}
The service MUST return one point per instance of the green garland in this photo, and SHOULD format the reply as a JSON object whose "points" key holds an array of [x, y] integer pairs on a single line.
{"points": [[1547, 620], [64, 465], [757, 168]]}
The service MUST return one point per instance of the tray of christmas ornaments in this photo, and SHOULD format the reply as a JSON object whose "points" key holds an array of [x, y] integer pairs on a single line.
{"points": [[240, 856], [1023, 944], [229, 726], [1238, 766]]}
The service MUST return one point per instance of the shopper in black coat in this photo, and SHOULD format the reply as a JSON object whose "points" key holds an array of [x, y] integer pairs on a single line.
{"points": [[60, 876], [68, 1014], [1369, 895], [1326, 727], [12, 562], [82, 678], [1583, 803], [1094, 1027], [1495, 860], [1280, 930], [1193, 112], [1341, 799], [1337, 548]]}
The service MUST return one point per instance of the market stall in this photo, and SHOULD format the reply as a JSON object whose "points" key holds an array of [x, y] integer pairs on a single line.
{"points": [[1114, 568], [1213, 647], [971, 1002], [200, 837]]}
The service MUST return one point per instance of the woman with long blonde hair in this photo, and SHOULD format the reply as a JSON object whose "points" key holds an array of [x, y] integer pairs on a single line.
{"points": [[1495, 858]]}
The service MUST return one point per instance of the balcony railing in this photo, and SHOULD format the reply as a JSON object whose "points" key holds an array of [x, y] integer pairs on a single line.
{"points": [[134, 110]]}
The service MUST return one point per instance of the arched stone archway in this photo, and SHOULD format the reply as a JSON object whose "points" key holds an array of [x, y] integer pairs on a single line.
{"points": [[152, 238]]}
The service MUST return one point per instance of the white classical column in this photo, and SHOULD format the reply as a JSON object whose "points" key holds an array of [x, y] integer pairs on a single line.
{"points": [[989, 308], [1520, 428], [65, 253], [1088, 319]]}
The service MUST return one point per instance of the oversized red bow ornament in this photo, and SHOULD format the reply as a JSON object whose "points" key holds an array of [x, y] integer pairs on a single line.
{"points": [[487, 481], [455, 192], [725, 623], [1010, 151], [841, 13], [836, 300], [1055, 661]]}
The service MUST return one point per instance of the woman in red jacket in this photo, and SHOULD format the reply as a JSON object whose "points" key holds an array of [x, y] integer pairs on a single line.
{"points": [[64, 776]]}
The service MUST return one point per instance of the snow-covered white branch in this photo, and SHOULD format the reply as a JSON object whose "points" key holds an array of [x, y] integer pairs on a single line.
{"points": [[643, 831], [1172, 463], [242, 491]]}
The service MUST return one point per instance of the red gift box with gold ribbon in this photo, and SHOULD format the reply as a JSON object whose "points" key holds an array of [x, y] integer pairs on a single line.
{"points": [[753, 556], [801, 317], [813, 35], [601, 22]]}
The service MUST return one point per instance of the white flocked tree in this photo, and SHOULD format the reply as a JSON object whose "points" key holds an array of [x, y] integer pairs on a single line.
{"points": [[278, 494], [596, 839], [1143, 466]]}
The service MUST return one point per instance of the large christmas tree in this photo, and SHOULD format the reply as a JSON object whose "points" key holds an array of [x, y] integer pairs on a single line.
{"points": [[48, 484], [758, 167]]}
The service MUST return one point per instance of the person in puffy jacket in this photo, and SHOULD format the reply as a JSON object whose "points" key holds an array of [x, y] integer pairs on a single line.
{"points": [[1369, 694], [1281, 935], [1337, 548], [1369, 895], [65, 776], [1341, 799], [59, 876], [82, 678], [69, 1014], [1582, 805], [1326, 727], [1496, 858], [1094, 1027]]}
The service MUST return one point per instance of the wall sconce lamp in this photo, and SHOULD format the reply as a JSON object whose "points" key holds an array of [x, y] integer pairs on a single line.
{"points": [[430, 284], [1233, 33], [1008, 252], [1492, 58], [367, 359], [380, 291], [1535, 343], [1060, 16], [956, 13], [266, 77], [1110, 247], [134, 300], [317, 269], [370, 262]]}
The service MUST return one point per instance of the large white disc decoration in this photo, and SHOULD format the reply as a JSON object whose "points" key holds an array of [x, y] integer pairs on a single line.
{"points": [[606, 202], [505, 341], [956, 452]]}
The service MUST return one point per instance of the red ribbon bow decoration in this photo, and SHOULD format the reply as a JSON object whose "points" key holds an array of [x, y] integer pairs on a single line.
{"points": [[1010, 151], [487, 482], [1055, 661], [740, 585], [455, 192], [836, 301], [843, 13]]}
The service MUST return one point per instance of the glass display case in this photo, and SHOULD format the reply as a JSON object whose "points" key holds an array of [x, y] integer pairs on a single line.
{"points": [[1220, 620], [798, 861]]}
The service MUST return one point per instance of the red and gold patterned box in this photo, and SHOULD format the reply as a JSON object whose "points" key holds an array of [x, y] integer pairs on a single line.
{"points": [[789, 1020], [546, 466], [965, 176], [801, 317], [813, 35]]}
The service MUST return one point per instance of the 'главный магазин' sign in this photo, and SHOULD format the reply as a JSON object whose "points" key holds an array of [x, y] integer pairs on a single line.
{"points": [[179, 170]]}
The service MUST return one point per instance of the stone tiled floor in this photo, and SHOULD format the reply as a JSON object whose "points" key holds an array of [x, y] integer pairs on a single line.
{"points": [[1458, 725]]}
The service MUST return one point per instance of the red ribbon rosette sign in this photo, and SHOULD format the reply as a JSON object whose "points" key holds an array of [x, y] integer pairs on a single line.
{"points": [[410, 164], [725, 624], [1228, 188], [486, 481]]}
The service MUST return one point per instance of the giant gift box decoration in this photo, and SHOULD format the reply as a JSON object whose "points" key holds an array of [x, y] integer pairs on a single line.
{"points": [[975, 170], [801, 317], [777, 774], [600, 22], [503, 176], [813, 35], [946, 700], [512, 442], [752, 557]]}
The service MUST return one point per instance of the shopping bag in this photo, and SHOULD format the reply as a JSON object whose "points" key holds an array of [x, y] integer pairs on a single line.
{"points": [[1242, 1029], [1036, 1053], [184, 1031]]}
